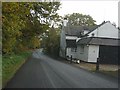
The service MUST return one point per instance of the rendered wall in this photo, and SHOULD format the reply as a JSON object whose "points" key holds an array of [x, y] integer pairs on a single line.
{"points": [[93, 53], [82, 55]]}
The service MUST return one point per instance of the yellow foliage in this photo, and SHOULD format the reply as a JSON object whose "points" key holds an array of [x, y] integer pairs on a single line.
{"points": [[35, 42]]}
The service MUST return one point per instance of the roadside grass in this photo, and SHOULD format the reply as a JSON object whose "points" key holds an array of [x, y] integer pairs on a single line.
{"points": [[87, 66], [11, 63], [111, 70], [0, 71], [111, 73]]}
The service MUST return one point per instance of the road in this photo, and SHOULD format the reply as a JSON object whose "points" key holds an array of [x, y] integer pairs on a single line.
{"points": [[41, 71]]}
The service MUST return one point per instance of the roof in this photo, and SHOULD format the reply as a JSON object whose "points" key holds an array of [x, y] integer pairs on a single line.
{"points": [[73, 30], [99, 41], [76, 30], [71, 43]]}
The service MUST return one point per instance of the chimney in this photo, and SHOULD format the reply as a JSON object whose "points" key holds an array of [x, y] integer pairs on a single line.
{"points": [[65, 21]]}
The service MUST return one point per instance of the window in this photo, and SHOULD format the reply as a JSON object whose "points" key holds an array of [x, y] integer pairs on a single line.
{"points": [[93, 34], [73, 49]]}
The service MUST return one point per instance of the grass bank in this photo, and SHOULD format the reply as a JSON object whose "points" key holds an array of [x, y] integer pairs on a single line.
{"points": [[0, 71], [111, 70], [11, 63], [111, 73]]}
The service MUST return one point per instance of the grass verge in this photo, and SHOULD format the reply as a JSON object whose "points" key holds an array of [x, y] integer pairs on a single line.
{"points": [[111, 73], [11, 63], [111, 70], [0, 71]]}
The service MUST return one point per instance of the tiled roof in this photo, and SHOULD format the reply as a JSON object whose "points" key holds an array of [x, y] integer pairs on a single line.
{"points": [[76, 30], [99, 41]]}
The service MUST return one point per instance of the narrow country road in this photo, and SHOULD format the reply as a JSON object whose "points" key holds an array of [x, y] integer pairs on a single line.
{"points": [[41, 71]]}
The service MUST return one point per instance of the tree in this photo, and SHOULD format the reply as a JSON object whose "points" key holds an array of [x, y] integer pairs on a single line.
{"points": [[80, 19], [24, 22], [12, 22], [51, 41], [39, 21]]}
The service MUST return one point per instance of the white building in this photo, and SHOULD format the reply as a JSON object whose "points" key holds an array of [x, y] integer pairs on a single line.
{"points": [[69, 35], [68, 46], [101, 42]]}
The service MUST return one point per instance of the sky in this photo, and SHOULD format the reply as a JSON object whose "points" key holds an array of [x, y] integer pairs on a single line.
{"points": [[100, 11]]}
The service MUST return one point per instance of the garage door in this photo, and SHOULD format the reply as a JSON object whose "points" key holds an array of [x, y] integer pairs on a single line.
{"points": [[108, 54]]}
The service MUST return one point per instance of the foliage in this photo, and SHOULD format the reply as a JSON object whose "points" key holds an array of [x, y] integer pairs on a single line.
{"points": [[35, 42], [12, 22], [23, 22], [51, 42], [80, 19]]}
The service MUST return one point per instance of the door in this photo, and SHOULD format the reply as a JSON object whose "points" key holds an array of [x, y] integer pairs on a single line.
{"points": [[108, 54]]}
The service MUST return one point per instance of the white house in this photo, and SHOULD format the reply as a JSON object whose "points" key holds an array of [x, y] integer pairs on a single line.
{"points": [[68, 46], [101, 42], [69, 35]]}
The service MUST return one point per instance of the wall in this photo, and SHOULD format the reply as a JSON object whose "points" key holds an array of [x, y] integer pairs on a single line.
{"points": [[71, 37], [119, 13], [82, 54], [62, 43], [119, 17], [69, 53], [106, 30], [93, 53]]}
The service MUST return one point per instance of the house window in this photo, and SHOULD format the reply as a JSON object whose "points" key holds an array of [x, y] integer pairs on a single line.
{"points": [[73, 49], [93, 34], [82, 49]]}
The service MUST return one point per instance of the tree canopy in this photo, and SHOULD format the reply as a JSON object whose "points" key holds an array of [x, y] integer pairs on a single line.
{"points": [[80, 19], [23, 22], [51, 41]]}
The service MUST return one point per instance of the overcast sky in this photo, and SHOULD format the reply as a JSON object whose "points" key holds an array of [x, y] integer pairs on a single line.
{"points": [[99, 10]]}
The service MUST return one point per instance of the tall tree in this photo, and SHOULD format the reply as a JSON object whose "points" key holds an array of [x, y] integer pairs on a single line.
{"points": [[24, 22], [39, 20], [80, 19], [12, 22], [51, 41]]}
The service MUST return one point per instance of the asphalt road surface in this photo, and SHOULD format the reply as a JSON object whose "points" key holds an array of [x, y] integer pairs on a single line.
{"points": [[41, 71]]}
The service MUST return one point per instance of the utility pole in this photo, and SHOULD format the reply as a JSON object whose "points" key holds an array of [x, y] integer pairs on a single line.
{"points": [[71, 59], [97, 64]]}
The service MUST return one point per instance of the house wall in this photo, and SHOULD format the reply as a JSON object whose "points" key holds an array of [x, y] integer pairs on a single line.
{"points": [[69, 53], [90, 54], [62, 43], [93, 53], [106, 30], [82, 53], [119, 17], [119, 14], [71, 37]]}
